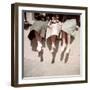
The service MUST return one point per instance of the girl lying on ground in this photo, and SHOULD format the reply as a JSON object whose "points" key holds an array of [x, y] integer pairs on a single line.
{"points": [[37, 31], [69, 26], [53, 30]]}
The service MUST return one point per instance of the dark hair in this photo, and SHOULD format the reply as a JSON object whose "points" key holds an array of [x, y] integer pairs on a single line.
{"points": [[37, 16], [43, 18]]}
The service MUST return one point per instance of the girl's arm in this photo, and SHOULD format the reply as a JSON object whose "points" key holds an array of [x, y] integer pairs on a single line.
{"points": [[49, 24]]}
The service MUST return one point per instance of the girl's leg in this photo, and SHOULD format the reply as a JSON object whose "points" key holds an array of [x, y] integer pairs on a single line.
{"points": [[68, 43], [39, 39], [64, 41], [53, 41], [61, 37]]}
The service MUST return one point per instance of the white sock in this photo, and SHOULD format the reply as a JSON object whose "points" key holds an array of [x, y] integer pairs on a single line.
{"points": [[39, 46], [53, 45], [68, 49]]}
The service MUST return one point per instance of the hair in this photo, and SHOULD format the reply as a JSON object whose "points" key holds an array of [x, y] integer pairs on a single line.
{"points": [[43, 18], [37, 16]]}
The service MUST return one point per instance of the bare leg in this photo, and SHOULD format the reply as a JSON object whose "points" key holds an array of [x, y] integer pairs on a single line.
{"points": [[68, 43], [68, 48], [53, 41], [61, 37], [63, 45], [64, 41], [39, 39]]}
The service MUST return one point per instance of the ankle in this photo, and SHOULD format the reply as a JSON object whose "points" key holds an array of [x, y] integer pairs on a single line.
{"points": [[39, 43]]}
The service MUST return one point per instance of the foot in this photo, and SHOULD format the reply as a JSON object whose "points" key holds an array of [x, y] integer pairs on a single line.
{"points": [[66, 58]]}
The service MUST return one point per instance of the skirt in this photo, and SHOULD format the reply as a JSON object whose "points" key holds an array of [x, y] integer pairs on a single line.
{"points": [[53, 29], [69, 26], [38, 26]]}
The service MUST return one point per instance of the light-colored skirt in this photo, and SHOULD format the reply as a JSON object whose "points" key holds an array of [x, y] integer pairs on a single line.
{"points": [[69, 26], [53, 29], [40, 27]]}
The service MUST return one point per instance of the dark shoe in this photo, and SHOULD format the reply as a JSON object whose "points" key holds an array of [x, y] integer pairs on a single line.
{"points": [[67, 57]]}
